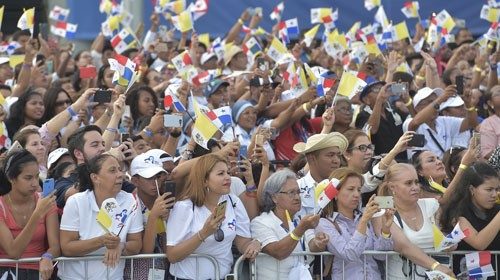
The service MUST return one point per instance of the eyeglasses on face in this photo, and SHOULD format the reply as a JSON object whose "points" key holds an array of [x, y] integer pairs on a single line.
{"points": [[291, 194], [363, 147], [63, 102]]}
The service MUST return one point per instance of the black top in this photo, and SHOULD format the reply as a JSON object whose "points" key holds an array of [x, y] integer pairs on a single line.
{"points": [[479, 220], [388, 132]]}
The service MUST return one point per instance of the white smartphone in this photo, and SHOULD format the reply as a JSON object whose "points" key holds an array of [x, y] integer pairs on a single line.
{"points": [[172, 121], [384, 202]]}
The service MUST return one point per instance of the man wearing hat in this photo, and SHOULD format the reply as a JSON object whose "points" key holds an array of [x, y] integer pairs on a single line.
{"points": [[235, 59], [216, 93], [323, 153], [6, 71], [384, 122], [148, 177], [208, 61], [441, 132]]}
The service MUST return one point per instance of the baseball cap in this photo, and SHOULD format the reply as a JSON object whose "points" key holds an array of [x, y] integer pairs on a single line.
{"points": [[206, 57], [55, 155], [213, 86], [159, 156], [425, 92], [454, 101], [144, 165]]}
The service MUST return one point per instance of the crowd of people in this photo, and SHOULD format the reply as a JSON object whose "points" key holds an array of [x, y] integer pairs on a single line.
{"points": [[434, 149]]}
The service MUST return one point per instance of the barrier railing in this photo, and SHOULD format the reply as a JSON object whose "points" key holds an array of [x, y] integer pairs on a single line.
{"points": [[61, 260], [253, 275]]}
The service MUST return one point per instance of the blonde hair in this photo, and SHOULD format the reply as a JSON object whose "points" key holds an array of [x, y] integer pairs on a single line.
{"points": [[341, 174], [195, 189], [392, 172]]}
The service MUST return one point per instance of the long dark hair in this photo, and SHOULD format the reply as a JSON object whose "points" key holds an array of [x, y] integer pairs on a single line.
{"points": [[49, 101], [133, 101], [92, 166], [17, 114], [416, 161], [100, 77], [461, 199], [12, 166]]}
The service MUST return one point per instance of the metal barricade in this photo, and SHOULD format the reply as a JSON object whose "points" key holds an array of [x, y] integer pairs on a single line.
{"points": [[61, 260], [253, 265]]}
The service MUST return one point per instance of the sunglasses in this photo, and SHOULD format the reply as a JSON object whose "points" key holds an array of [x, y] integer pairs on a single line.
{"points": [[63, 102], [219, 235]]}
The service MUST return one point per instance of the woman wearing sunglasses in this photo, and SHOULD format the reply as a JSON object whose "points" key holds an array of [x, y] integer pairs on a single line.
{"points": [[360, 152], [279, 235], [202, 226]]}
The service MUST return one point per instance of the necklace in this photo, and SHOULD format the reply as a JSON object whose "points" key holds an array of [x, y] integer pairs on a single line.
{"points": [[15, 209]]}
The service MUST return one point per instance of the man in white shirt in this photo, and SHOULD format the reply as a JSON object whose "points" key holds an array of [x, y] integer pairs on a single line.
{"points": [[323, 153], [439, 131]]}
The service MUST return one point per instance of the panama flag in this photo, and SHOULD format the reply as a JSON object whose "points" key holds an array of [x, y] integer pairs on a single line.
{"points": [[182, 60], [410, 9], [288, 28], [276, 13], [59, 14], [479, 265], [123, 41], [172, 100], [328, 193], [202, 78], [198, 8], [64, 29], [324, 85], [124, 70], [251, 47], [224, 115]]}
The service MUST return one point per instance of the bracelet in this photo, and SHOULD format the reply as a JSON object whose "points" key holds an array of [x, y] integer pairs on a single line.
{"points": [[148, 132], [240, 21], [434, 265], [27, 65], [252, 188], [71, 111], [477, 69], [306, 108], [199, 237], [462, 166], [386, 235], [47, 256], [111, 129], [418, 77], [471, 109], [294, 237], [410, 101]]}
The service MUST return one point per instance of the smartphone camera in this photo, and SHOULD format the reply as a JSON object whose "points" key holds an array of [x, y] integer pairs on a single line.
{"points": [[398, 89]]}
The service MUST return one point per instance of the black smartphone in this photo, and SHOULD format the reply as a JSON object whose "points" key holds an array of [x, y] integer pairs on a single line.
{"points": [[459, 83], [169, 187], [262, 64], [124, 137], [398, 89], [102, 96], [40, 58], [418, 140]]}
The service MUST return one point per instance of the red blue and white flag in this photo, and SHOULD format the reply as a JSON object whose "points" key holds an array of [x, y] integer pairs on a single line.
{"points": [[288, 28], [123, 41], [324, 85], [277, 11], [224, 115], [328, 192], [64, 29], [251, 47], [479, 265], [124, 68], [59, 14]]}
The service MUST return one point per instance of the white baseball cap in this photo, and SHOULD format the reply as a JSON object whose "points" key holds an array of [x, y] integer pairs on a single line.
{"points": [[55, 155], [454, 101], [425, 92], [160, 156], [206, 57], [144, 165]]}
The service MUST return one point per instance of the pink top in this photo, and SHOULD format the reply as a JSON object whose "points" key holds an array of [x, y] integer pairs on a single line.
{"points": [[38, 244], [490, 134]]}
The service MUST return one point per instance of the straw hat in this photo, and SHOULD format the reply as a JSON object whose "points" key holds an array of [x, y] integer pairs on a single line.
{"points": [[322, 141]]}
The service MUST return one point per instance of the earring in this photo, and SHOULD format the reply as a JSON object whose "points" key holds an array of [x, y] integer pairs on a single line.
{"points": [[208, 190]]}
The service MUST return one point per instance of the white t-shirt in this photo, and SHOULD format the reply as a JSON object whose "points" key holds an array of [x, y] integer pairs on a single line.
{"points": [[267, 229], [186, 221], [447, 134], [237, 186], [245, 138], [80, 215], [423, 238], [306, 186]]}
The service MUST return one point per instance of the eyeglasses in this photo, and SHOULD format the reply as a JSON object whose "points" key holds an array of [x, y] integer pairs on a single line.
{"points": [[291, 194], [63, 102], [363, 147], [346, 110], [219, 235]]}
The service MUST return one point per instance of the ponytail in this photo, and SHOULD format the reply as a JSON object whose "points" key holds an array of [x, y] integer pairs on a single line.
{"points": [[92, 166], [12, 166]]}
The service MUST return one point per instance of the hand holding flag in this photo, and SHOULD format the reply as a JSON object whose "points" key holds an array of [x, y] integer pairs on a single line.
{"points": [[326, 190]]}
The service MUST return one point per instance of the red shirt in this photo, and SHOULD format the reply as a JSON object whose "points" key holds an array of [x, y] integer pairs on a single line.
{"points": [[283, 144]]}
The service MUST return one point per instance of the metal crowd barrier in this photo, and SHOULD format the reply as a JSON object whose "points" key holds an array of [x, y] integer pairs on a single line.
{"points": [[238, 266], [61, 260]]}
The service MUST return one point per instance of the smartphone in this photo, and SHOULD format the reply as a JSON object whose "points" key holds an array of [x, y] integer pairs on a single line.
{"points": [[172, 120], [398, 89], [88, 72], [48, 187], [418, 140], [243, 152], [384, 202], [124, 137], [459, 82], [102, 96], [169, 187], [50, 66], [43, 28], [220, 209]]}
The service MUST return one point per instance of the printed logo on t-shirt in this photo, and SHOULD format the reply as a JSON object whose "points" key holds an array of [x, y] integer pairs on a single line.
{"points": [[232, 225]]}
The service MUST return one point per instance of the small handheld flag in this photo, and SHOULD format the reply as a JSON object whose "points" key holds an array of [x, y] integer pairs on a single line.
{"points": [[276, 13], [59, 14], [64, 29], [27, 20], [410, 9], [479, 265], [328, 193]]}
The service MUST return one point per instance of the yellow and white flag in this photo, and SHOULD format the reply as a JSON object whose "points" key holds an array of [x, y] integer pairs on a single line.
{"points": [[400, 31], [350, 85], [309, 35], [276, 50], [203, 128], [27, 20], [183, 22], [1, 15]]}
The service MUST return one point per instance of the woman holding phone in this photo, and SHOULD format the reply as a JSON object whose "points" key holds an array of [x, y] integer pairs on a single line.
{"points": [[28, 222], [207, 220], [351, 232]]}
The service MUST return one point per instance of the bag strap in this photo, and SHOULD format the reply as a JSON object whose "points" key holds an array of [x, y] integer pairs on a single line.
{"points": [[398, 217], [435, 140]]}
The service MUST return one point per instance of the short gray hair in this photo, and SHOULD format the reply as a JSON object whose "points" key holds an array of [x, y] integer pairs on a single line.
{"points": [[272, 186]]}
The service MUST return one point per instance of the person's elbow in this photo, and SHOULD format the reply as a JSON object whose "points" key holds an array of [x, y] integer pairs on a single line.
{"points": [[173, 256]]}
